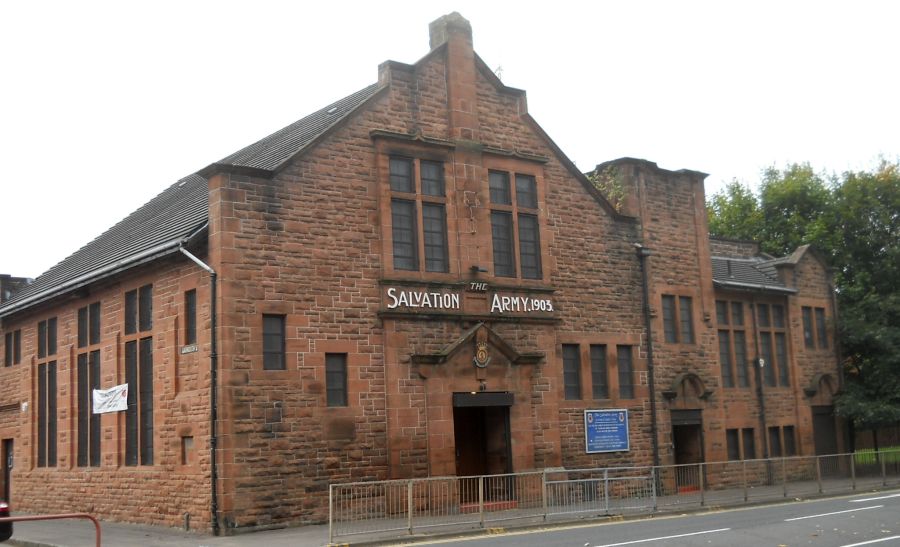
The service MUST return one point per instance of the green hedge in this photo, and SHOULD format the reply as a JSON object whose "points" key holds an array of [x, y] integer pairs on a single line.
{"points": [[868, 456]]}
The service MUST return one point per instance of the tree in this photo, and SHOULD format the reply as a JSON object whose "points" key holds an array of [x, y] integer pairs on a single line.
{"points": [[734, 212], [867, 219], [854, 220], [795, 204]]}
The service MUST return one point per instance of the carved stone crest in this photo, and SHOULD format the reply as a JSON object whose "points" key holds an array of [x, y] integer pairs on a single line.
{"points": [[482, 355]]}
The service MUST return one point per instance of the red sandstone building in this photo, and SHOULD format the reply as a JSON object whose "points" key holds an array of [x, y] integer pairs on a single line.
{"points": [[414, 281]]}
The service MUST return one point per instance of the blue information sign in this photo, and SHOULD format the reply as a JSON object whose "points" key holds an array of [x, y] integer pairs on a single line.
{"points": [[606, 430]]}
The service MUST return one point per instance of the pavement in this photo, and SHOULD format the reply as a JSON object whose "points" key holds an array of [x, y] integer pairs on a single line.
{"points": [[81, 532], [78, 533]]}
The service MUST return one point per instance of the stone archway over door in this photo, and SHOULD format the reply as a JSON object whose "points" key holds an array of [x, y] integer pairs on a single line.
{"points": [[471, 371], [687, 396], [821, 399]]}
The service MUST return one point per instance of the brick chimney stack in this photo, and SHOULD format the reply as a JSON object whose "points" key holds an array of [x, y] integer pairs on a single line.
{"points": [[456, 32]]}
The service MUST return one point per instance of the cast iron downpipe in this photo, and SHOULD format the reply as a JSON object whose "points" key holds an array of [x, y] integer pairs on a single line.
{"points": [[758, 366], [213, 384], [643, 253]]}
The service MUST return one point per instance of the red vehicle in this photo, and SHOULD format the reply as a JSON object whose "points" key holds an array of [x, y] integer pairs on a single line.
{"points": [[6, 528]]}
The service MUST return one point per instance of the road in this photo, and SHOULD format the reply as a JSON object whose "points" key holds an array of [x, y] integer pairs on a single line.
{"points": [[870, 520]]}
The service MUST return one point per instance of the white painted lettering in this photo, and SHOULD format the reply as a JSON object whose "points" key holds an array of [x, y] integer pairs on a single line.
{"points": [[421, 299], [392, 294]]}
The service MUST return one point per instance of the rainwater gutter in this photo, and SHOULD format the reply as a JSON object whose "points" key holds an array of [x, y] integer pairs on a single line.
{"points": [[213, 388], [643, 253]]}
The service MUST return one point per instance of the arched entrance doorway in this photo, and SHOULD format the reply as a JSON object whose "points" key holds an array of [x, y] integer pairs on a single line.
{"points": [[687, 396], [821, 394]]}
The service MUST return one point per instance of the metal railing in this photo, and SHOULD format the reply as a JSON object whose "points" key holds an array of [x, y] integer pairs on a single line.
{"points": [[406, 506], [30, 518]]}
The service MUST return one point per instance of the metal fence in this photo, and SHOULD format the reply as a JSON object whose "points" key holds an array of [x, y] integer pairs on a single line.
{"points": [[406, 506]]}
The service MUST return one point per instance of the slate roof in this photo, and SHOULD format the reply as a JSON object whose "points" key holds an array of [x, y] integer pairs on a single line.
{"points": [[162, 224], [154, 230], [273, 151], [743, 273]]}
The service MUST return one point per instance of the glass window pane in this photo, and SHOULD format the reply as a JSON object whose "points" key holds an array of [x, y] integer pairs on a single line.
{"points": [[526, 191], [781, 355], [722, 312], [808, 327], [737, 314], [82, 327], [432, 178], [725, 358], [401, 175], [131, 312], [8, 350], [336, 379], [529, 246], [571, 371], [774, 442], [273, 342], [434, 228], [668, 306], [42, 415], [685, 315], [790, 446], [145, 305], [778, 316], [190, 317], [740, 358], [732, 440], [51, 414], [145, 382], [42, 339], [821, 332], [499, 188], [749, 444], [763, 315], [51, 336], [502, 235], [599, 382], [94, 383], [406, 247], [94, 329], [765, 344], [131, 414], [626, 372], [84, 410]]}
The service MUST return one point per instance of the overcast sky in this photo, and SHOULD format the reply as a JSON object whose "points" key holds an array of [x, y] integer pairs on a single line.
{"points": [[104, 104]]}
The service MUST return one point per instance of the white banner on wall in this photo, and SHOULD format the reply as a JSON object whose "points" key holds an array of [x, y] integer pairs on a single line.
{"points": [[113, 399]]}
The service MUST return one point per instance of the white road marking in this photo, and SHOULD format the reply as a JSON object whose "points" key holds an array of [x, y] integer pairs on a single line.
{"points": [[834, 513], [874, 499], [665, 537], [871, 541]]}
